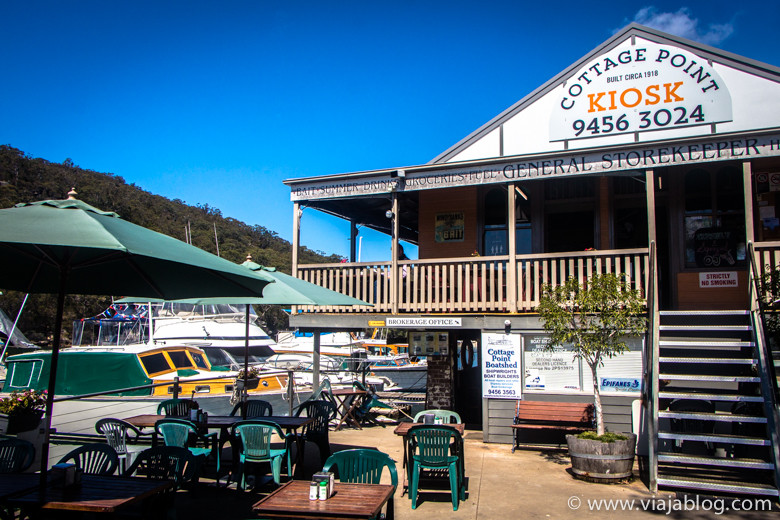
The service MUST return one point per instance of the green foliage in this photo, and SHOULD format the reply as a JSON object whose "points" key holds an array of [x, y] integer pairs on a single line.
{"points": [[594, 317], [21, 402], [606, 437], [770, 298], [26, 179]]}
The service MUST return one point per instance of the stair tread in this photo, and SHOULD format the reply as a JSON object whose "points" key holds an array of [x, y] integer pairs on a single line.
{"points": [[702, 416], [734, 312], [734, 361], [727, 486], [685, 393], [708, 343], [716, 437], [703, 377], [713, 461]]}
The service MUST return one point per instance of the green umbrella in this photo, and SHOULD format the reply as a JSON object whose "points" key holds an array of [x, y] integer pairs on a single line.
{"points": [[68, 246]]}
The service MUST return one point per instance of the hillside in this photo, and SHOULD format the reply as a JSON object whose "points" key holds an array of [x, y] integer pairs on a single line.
{"points": [[26, 179]]}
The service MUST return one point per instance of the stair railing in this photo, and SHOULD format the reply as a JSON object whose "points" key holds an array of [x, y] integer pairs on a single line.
{"points": [[766, 368], [650, 376]]}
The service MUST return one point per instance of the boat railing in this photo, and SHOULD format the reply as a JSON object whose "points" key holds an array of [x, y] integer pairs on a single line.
{"points": [[175, 384]]}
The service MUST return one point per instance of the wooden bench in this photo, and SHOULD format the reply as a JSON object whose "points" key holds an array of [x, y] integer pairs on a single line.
{"points": [[571, 417]]}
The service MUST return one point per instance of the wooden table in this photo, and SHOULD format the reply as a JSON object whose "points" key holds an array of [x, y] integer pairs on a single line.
{"points": [[224, 422], [95, 494], [347, 401], [403, 429], [13, 484], [348, 501]]}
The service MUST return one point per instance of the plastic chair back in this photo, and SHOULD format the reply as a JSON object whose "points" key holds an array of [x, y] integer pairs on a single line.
{"points": [[16, 455], [322, 412], [94, 459], [176, 432], [165, 463], [447, 416], [362, 466], [431, 444], [256, 436], [176, 407], [254, 408]]}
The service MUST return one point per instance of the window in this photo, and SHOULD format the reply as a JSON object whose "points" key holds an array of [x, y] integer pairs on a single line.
{"points": [[495, 234], [180, 359], [714, 218], [155, 363]]}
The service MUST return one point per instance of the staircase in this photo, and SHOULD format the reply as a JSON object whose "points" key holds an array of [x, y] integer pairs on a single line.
{"points": [[712, 427]]}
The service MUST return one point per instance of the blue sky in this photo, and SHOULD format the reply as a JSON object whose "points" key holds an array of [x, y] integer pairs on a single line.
{"points": [[217, 102]]}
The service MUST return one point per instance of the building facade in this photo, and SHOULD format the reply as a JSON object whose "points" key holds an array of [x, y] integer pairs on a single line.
{"points": [[652, 157]]}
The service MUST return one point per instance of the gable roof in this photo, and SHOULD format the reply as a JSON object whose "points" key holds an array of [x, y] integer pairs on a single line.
{"points": [[633, 30]]}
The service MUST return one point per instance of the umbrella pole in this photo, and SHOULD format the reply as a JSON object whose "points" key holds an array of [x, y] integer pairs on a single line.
{"points": [[246, 364], [55, 352]]}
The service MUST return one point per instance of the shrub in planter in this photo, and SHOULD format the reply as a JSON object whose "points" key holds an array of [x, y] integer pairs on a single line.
{"points": [[594, 316], [21, 411]]}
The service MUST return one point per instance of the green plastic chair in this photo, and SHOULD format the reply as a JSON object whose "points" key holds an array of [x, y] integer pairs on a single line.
{"points": [[317, 432], [165, 463], [256, 436], [254, 408], [16, 455], [176, 407], [448, 416], [118, 436], [185, 434], [430, 449], [94, 459], [362, 466]]}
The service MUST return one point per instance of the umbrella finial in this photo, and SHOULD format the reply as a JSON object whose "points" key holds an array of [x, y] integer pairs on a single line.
{"points": [[249, 257], [72, 194]]}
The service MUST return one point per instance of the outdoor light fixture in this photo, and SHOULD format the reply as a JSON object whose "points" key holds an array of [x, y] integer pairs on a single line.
{"points": [[507, 326], [389, 213], [402, 174]]}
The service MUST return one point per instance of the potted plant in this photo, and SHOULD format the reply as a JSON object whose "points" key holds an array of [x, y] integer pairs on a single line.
{"points": [[21, 411], [595, 317], [252, 378]]}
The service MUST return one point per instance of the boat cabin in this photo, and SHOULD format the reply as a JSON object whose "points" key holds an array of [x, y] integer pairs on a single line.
{"points": [[652, 157]]}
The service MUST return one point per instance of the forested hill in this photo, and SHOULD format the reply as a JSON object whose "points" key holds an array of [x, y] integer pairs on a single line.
{"points": [[28, 179]]}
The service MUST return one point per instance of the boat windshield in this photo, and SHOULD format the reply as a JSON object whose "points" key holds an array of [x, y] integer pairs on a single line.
{"points": [[120, 324], [189, 310]]}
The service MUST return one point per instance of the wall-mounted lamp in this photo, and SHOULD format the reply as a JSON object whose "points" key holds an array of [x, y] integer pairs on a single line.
{"points": [[507, 326], [402, 174], [389, 213]]}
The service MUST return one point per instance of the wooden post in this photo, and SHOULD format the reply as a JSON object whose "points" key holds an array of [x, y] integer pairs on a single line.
{"points": [[395, 279], [315, 360], [296, 239], [511, 271], [353, 233]]}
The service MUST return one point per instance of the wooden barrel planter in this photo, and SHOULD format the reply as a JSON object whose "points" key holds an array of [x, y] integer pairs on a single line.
{"points": [[591, 459]]}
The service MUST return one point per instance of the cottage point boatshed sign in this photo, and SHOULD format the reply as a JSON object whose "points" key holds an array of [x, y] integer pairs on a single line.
{"points": [[501, 376], [638, 88]]}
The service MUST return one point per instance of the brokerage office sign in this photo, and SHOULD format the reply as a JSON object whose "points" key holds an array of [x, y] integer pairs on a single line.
{"points": [[423, 322], [638, 88]]}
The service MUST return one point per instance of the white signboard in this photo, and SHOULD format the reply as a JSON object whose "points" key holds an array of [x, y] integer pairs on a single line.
{"points": [[555, 370], [423, 322], [722, 279], [501, 375], [638, 88]]}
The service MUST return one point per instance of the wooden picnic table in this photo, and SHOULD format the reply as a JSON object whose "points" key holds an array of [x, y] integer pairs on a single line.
{"points": [[224, 422], [95, 494], [358, 501]]}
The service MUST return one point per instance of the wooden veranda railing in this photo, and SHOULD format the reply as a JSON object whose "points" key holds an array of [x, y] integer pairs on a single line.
{"points": [[470, 284]]}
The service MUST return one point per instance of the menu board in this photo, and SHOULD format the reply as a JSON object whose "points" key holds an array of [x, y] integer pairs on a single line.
{"points": [[429, 343]]}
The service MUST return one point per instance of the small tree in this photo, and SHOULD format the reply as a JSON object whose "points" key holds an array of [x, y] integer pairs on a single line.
{"points": [[594, 317]]}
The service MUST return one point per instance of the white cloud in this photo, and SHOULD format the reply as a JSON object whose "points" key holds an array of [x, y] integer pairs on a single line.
{"points": [[683, 24]]}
